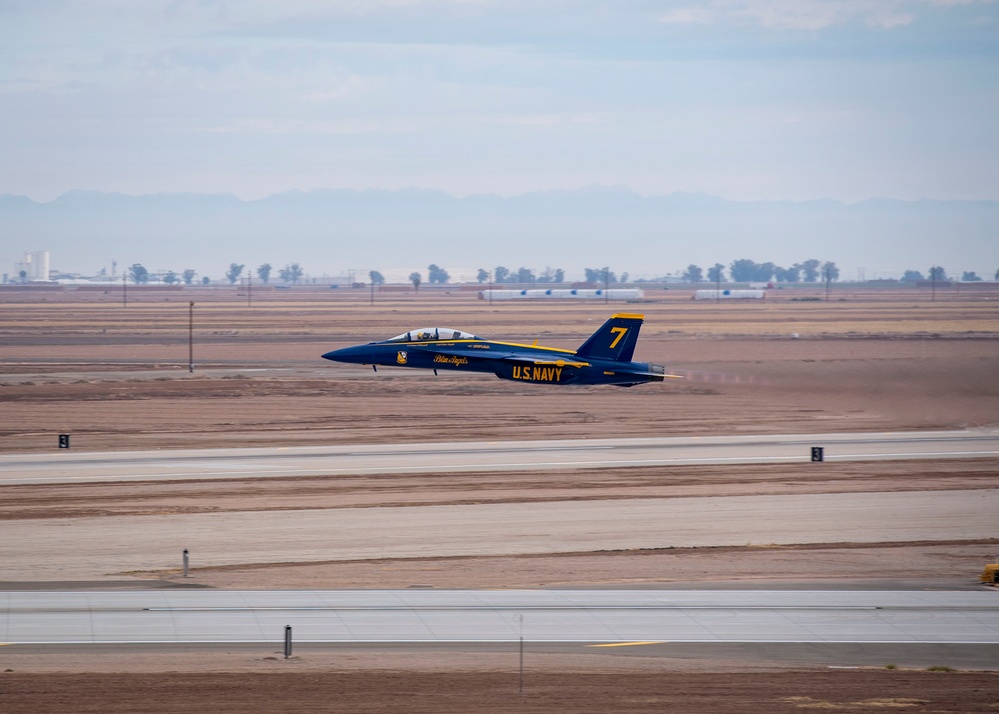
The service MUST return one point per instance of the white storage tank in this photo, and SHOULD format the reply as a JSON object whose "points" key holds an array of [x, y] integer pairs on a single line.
{"points": [[563, 294], [730, 294]]}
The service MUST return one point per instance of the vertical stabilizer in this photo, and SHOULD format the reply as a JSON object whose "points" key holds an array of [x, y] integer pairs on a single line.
{"points": [[615, 340]]}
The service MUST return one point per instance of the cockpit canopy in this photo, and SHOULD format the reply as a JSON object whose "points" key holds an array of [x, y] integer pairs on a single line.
{"points": [[433, 333]]}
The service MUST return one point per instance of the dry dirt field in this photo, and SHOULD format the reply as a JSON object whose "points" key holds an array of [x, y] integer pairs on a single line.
{"points": [[117, 378]]}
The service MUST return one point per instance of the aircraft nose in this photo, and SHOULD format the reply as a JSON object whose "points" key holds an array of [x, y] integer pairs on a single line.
{"points": [[355, 355]]}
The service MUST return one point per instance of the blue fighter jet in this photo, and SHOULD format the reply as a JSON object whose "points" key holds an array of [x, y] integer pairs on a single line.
{"points": [[605, 358]]}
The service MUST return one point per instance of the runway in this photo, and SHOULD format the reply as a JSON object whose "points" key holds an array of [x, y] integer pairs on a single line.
{"points": [[891, 624], [633, 617], [827, 628], [69, 466], [109, 547]]}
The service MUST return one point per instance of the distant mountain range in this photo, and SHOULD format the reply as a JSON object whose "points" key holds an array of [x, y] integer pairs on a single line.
{"points": [[332, 231]]}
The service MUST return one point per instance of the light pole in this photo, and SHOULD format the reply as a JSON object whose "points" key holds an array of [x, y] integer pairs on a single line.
{"points": [[190, 337], [520, 621]]}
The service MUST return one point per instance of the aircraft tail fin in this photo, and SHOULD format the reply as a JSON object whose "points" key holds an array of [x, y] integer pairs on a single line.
{"points": [[615, 340]]}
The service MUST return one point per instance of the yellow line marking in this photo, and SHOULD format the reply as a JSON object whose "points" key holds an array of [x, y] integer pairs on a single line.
{"points": [[629, 644]]}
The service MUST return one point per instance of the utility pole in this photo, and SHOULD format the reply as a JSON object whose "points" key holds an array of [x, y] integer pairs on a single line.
{"points": [[124, 289], [520, 621], [190, 337]]}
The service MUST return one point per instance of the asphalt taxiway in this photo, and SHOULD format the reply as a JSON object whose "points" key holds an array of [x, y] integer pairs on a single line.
{"points": [[847, 627], [108, 547], [67, 466], [950, 626]]}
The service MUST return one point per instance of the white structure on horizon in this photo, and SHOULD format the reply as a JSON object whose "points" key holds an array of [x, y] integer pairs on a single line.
{"points": [[563, 294], [725, 294], [35, 265]]}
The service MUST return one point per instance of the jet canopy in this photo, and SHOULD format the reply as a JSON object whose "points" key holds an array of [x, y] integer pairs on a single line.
{"points": [[433, 333]]}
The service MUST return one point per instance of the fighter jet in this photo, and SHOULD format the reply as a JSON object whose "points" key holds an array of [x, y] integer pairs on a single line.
{"points": [[605, 358]]}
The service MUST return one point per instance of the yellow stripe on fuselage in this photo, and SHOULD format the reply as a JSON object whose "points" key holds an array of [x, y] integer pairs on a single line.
{"points": [[532, 347], [561, 363], [480, 342]]}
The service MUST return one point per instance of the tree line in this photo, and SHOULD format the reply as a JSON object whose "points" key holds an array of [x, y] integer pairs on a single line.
{"points": [[809, 271], [291, 273], [939, 274], [522, 275], [743, 270]]}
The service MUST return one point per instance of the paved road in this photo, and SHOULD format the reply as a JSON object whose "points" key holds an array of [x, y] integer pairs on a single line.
{"points": [[75, 467], [594, 616], [109, 546]]}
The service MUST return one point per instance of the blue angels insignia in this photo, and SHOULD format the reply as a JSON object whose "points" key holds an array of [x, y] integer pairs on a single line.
{"points": [[605, 358]]}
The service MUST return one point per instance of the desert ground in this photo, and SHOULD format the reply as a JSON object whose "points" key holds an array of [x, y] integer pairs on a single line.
{"points": [[117, 377]]}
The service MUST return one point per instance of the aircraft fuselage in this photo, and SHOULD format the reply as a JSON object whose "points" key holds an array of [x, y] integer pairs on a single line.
{"points": [[596, 362]]}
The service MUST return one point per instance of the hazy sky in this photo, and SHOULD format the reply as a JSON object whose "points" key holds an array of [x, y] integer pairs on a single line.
{"points": [[746, 99]]}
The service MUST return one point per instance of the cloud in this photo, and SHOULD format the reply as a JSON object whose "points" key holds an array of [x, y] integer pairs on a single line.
{"points": [[548, 120], [340, 88], [301, 126], [949, 3], [798, 14], [689, 16]]}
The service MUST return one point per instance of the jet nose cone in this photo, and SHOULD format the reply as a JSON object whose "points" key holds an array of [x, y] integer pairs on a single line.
{"points": [[356, 355]]}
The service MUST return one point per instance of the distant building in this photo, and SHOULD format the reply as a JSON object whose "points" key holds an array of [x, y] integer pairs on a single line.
{"points": [[35, 266], [729, 294], [563, 294]]}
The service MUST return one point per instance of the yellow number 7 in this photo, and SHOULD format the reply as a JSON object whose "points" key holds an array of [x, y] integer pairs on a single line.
{"points": [[620, 332]]}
